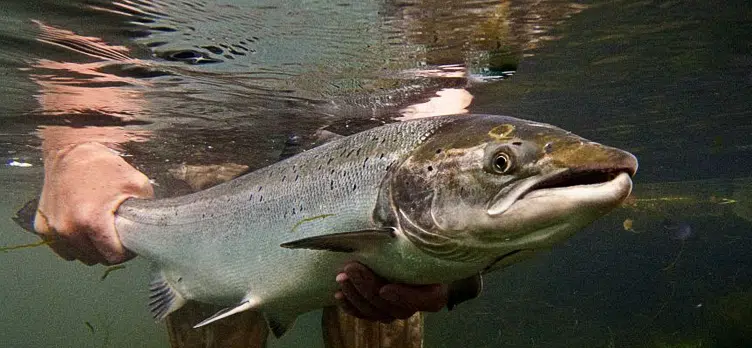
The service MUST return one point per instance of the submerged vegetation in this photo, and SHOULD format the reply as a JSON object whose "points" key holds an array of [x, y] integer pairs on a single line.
{"points": [[24, 246]]}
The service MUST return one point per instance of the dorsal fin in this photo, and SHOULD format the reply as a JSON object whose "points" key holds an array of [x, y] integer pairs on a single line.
{"points": [[164, 298]]}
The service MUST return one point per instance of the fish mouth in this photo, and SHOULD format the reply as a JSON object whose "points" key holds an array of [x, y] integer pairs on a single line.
{"points": [[580, 177], [590, 186]]}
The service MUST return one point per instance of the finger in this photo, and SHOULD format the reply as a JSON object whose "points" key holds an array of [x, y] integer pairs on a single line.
{"points": [[427, 298], [368, 285], [363, 306], [345, 305]]}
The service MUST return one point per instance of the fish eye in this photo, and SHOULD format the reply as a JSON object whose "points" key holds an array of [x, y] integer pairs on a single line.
{"points": [[501, 163]]}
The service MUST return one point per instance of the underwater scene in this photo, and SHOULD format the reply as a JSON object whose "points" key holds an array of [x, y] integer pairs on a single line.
{"points": [[195, 93]]}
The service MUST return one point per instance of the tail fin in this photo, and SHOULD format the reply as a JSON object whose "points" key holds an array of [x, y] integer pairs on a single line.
{"points": [[25, 216]]}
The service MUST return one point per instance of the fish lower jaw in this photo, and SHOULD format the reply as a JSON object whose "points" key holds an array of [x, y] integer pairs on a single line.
{"points": [[608, 193]]}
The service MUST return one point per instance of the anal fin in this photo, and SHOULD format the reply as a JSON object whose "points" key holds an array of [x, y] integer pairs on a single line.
{"points": [[164, 298]]}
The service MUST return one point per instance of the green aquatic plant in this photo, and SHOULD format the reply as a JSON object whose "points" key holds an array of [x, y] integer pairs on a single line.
{"points": [[91, 327], [109, 270], [302, 221], [24, 246]]}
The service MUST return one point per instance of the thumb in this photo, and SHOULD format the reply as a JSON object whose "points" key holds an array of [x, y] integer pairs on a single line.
{"points": [[424, 298]]}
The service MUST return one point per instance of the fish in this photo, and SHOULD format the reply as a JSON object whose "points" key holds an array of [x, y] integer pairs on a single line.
{"points": [[425, 201]]}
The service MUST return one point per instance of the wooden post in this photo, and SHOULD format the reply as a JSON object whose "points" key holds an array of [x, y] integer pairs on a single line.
{"points": [[243, 330], [345, 331]]}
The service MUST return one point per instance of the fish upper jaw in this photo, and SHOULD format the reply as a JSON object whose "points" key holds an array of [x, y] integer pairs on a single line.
{"points": [[595, 179]]}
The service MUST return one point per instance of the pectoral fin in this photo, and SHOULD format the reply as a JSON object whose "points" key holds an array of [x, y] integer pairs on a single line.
{"points": [[345, 242], [463, 290], [164, 298], [224, 313]]}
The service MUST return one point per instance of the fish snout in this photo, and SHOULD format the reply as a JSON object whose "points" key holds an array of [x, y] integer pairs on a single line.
{"points": [[591, 157]]}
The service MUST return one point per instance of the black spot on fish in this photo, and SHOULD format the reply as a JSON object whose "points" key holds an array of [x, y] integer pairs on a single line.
{"points": [[355, 186], [180, 279], [251, 197], [331, 185], [261, 198], [284, 177], [329, 161], [259, 189], [332, 172], [439, 151], [297, 177], [430, 168], [164, 29], [383, 140], [381, 156], [548, 148], [364, 162], [293, 211], [357, 153]]}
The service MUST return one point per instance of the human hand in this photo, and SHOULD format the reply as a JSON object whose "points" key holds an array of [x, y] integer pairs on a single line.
{"points": [[365, 295], [84, 184]]}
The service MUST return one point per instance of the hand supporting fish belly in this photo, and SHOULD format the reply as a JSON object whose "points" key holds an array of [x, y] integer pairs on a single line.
{"points": [[428, 201]]}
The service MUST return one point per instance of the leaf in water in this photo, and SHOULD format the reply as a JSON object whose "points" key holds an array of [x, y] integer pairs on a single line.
{"points": [[109, 270], [24, 246]]}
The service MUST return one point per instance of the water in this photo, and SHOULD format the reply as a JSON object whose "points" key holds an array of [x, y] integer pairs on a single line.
{"points": [[229, 82]]}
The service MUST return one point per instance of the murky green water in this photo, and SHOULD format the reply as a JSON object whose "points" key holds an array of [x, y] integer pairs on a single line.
{"points": [[229, 82]]}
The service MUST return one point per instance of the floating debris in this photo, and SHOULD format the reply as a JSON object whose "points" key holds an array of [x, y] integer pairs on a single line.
{"points": [[628, 224], [678, 230], [15, 163], [110, 270]]}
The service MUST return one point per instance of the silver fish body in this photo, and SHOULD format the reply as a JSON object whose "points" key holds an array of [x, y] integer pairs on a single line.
{"points": [[419, 202]]}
